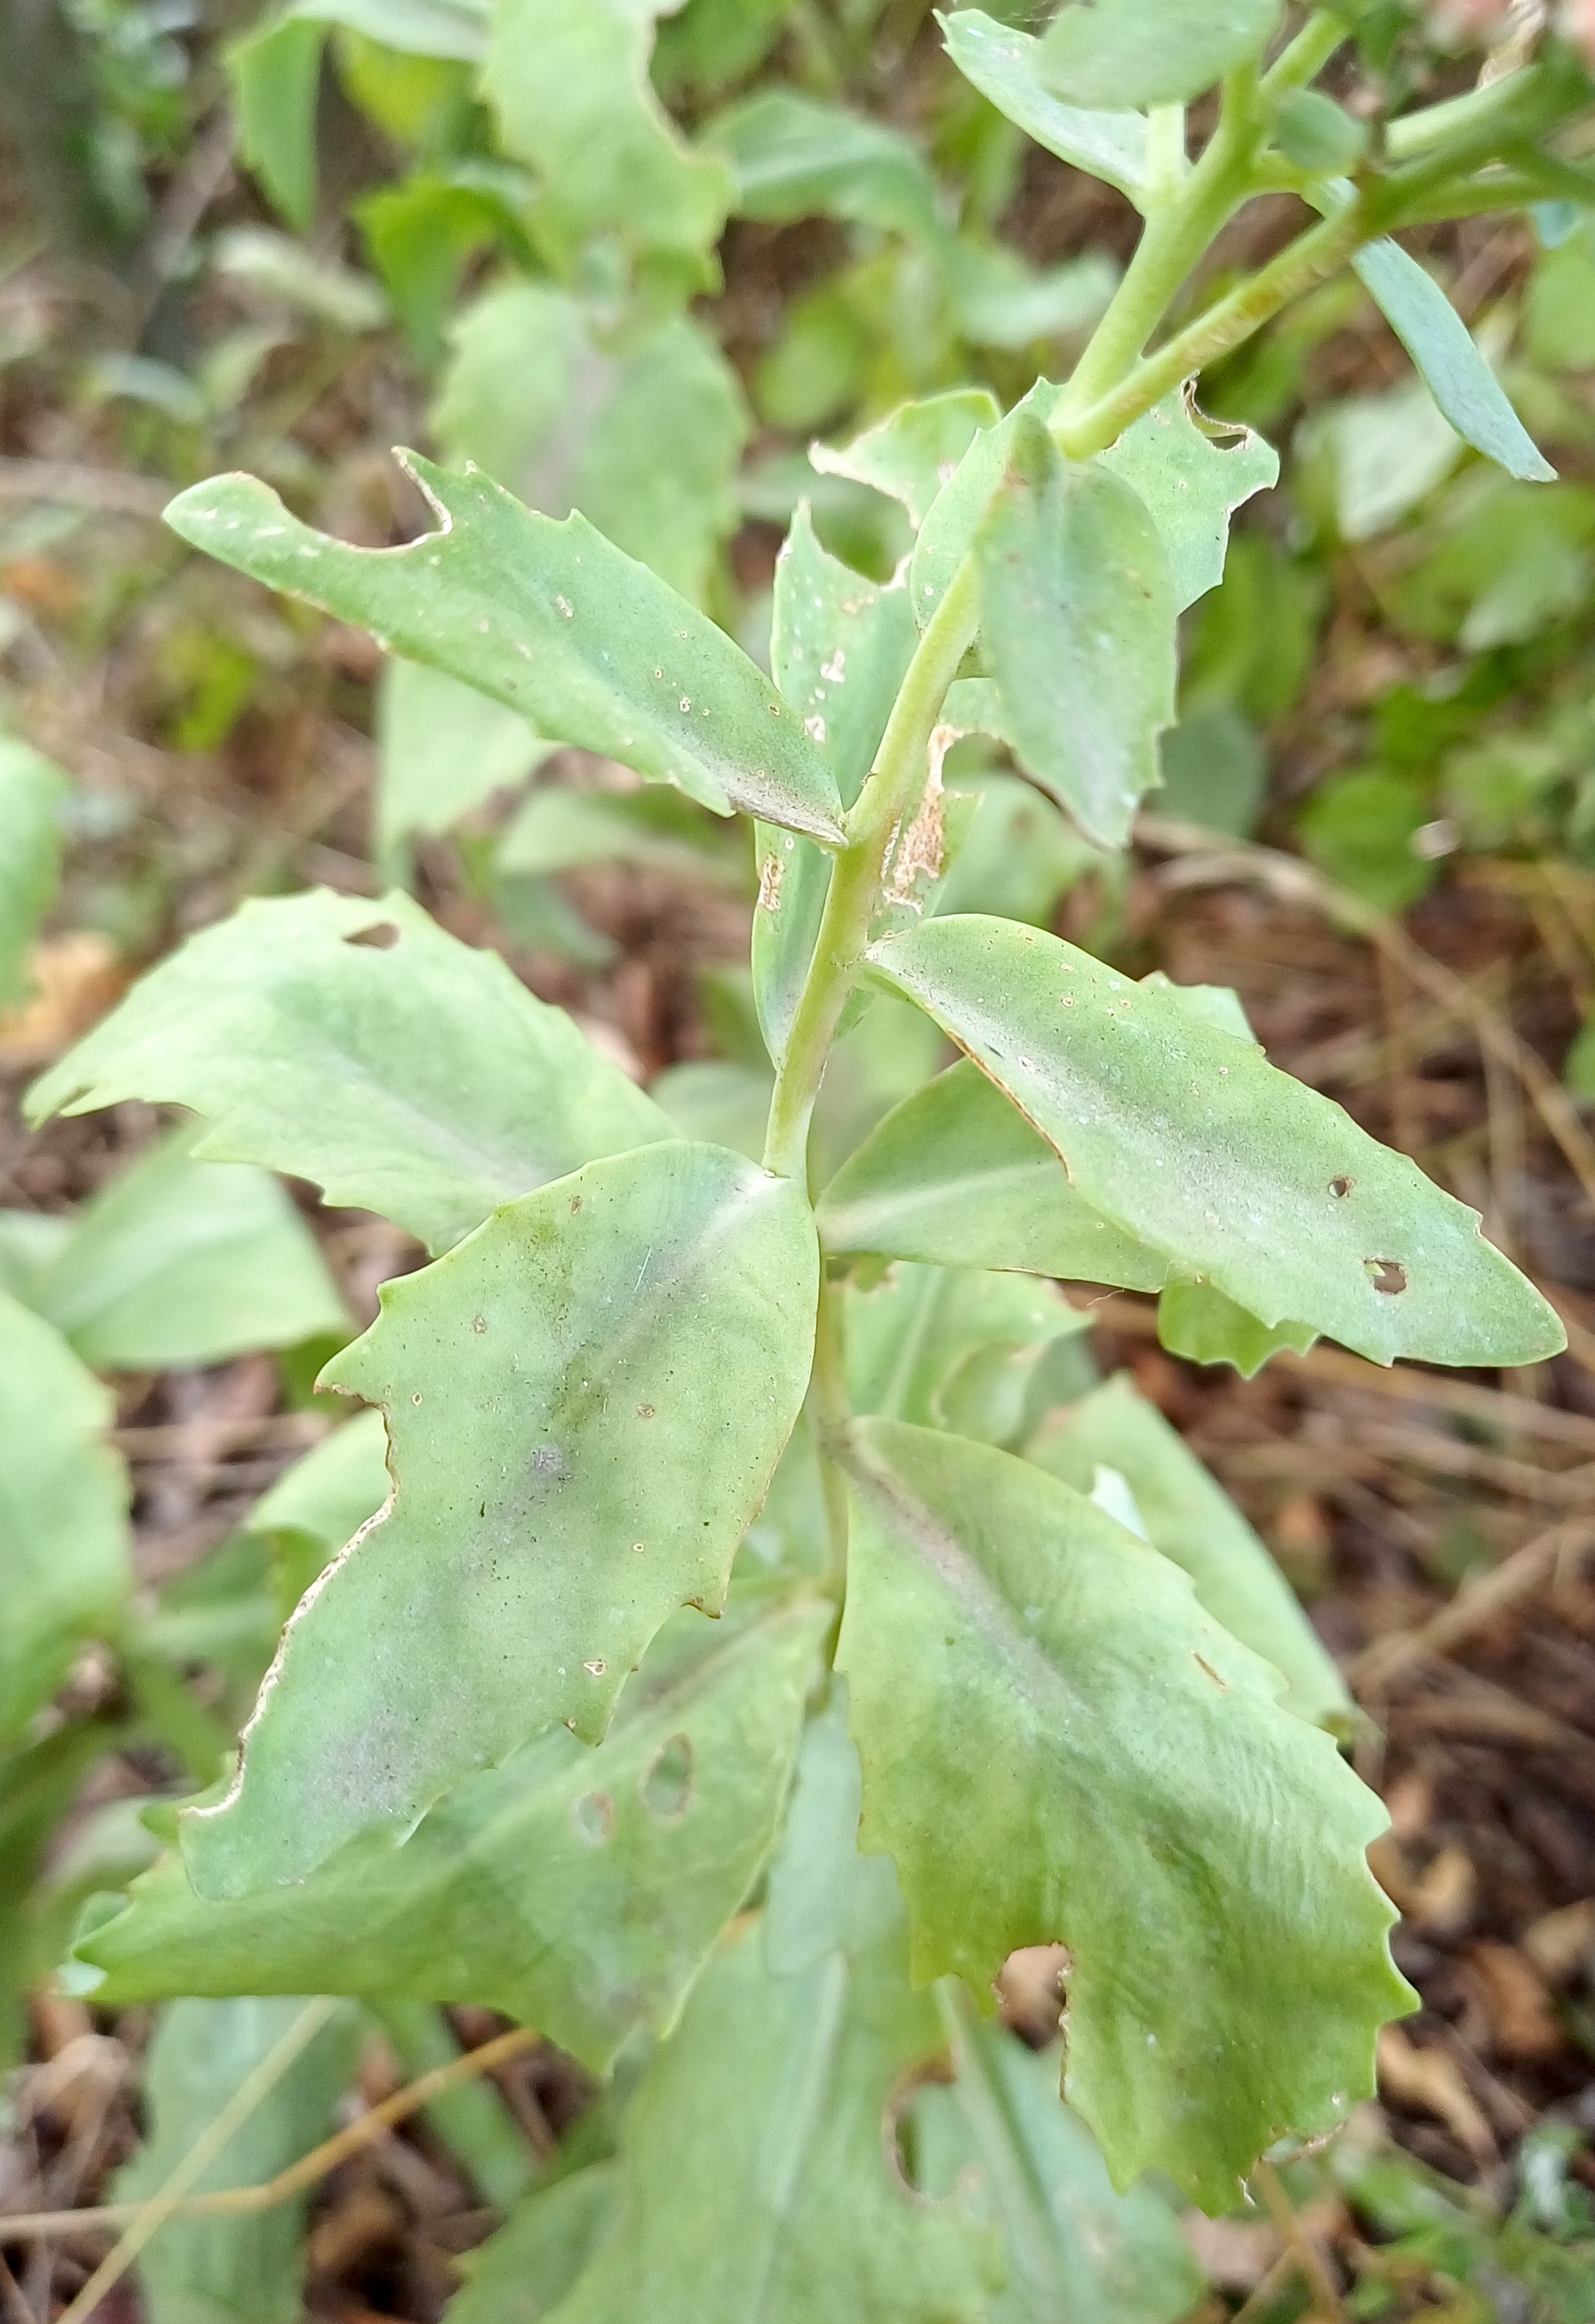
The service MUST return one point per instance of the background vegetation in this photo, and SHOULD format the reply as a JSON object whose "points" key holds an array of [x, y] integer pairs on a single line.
{"points": [[286, 246]]}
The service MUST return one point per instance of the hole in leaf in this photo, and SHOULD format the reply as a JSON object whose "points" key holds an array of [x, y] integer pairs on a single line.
{"points": [[1341, 1188], [1386, 1275], [381, 937], [594, 1817], [667, 1785]]}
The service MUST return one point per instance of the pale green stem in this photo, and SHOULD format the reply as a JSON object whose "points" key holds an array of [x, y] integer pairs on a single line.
{"points": [[1225, 325], [830, 1410], [1169, 163], [892, 790], [1303, 58], [1177, 236]]}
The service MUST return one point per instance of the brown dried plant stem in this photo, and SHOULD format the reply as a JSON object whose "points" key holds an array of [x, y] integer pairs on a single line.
{"points": [[143, 2219]]}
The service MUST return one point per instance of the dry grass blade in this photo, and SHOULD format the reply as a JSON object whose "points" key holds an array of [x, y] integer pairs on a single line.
{"points": [[1473, 1607], [1315, 2269], [299, 2175], [152, 2216]]}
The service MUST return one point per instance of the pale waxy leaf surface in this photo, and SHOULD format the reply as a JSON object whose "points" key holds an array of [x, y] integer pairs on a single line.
{"points": [[1060, 1746], [953, 1346], [1450, 364], [839, 647], [1186, 1136], [1192, 483], [1198, 1322], [915, 450], [355, 1043], [567, 82], [551, 619], [244, 2268], [577, 1889], [1075, 2248], [31, 790], [755, 2183], [1190, 1519], [586, 1401], [1078, 630], [1001, 63], [793, 157], [175, 1263], [947, 531], [64, 1566], [443, 749], [957, 1175], [1126, 55]]}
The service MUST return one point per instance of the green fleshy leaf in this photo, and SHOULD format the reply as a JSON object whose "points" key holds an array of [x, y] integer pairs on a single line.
{"points": [[839, 647], [579, 1890], [1059, 1745], [1451, 366], [177, 1263], [1018, 854], [1198, 1322], [793, 158], [1193, 483], [1318, 134], [1075, 2247], [405, 1074], [585, 1400], [717, 1102], [31, 793], [1127, 54], [646, 444], [755, 2174], [276, 74], [1078, 628], [1189, 1517], [64, 1569], [520, 2275], [1189, 1140], [953, 1346], [957, 1175], [657, 472], [457, 29], [567, 81], [1002, 64], [914, 451], [421, 233], [513, 356], [443, 749], [38, 1785], [240, 2268], [551, 619], [999, 300], [947, 531]]}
